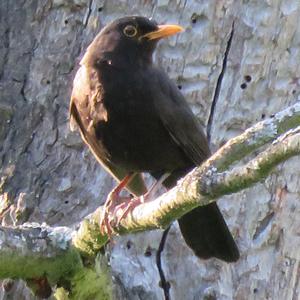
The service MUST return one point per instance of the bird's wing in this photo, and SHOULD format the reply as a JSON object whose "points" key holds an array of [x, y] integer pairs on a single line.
{"points": [[179, 120], [81, 115]]}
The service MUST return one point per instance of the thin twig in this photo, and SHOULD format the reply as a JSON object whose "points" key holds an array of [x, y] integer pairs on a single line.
{"points": [[164, 284]]}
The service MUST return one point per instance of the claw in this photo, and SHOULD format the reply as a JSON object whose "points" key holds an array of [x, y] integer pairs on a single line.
{"points": [[126, 207], [110, 217], [113, 200], [107, 218]]}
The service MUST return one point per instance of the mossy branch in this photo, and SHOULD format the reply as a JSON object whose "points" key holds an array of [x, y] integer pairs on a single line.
{"points": [[34, 251]]}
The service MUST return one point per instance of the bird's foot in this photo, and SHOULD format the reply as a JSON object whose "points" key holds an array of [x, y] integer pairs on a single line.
{"points": [[122, 210], [107, 221], [117, 208], [126, 207], [113, 199]]}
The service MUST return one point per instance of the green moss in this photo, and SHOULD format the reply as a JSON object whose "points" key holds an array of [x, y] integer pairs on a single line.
{"points": [[93, 283], [36, 267], [88, 239], [291, 122], [85, 283]]}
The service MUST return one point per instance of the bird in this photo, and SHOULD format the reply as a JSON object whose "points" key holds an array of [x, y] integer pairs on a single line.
{"points": [[135, 120]]}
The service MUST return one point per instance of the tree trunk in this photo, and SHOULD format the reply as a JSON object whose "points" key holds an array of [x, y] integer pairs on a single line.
{"points": [[236, 63]]}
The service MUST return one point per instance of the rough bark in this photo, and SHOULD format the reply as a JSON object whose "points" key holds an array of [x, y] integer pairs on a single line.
{"points": [[233, 76]]}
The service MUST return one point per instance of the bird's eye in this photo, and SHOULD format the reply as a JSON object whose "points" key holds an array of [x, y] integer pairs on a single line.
{"points": [[130, 31]]}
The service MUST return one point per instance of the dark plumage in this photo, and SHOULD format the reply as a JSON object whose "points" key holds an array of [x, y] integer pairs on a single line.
{"points": [[134, 119]]}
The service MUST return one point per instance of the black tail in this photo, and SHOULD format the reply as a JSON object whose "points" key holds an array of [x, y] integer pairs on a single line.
{"points": [[207, 234]]}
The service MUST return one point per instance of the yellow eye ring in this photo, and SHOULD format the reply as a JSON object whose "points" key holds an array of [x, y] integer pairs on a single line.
{"points": [[130, 31]]}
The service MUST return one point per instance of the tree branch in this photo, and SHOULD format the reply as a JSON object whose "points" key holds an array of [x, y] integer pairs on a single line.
{"points": [[35, 250], [254, 137], [205, 184]]}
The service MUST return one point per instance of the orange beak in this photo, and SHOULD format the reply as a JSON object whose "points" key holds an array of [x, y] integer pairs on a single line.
{"points": [[163, 31]]}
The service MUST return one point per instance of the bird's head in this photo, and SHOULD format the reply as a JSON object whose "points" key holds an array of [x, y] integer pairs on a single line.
{"points": [[129, 40]]}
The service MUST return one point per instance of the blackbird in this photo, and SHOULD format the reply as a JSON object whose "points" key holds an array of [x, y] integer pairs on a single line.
{"points": [[134, 119]]}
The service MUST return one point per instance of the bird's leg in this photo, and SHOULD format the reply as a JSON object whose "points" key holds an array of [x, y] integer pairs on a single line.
{"points": [[113, 199], [150, 194], [129, 205]]}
